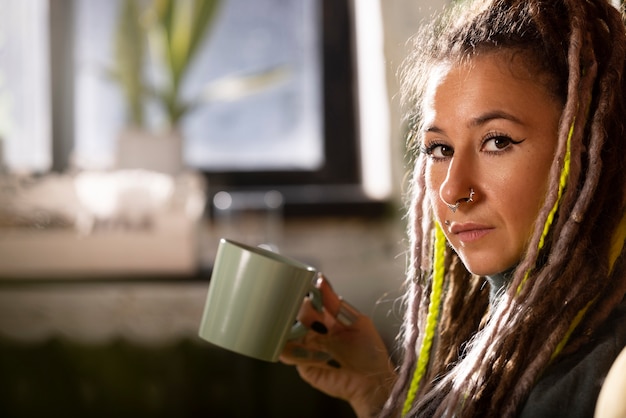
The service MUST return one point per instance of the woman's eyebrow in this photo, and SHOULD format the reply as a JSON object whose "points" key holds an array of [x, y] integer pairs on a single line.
{"points": [[496, 114], [479, 120], [434, 129]]}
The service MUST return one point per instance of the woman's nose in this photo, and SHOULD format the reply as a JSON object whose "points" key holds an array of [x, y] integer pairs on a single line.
{"points": [[458, 183]]}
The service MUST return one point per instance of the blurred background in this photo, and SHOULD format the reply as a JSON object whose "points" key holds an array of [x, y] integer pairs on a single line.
{"points": [[136, 133]]}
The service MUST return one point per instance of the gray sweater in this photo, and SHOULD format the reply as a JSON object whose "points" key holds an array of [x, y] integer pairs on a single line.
{"points": [[570, 387]]}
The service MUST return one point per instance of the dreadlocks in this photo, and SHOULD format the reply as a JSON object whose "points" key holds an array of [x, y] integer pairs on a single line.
{"points": [[484, 360]]}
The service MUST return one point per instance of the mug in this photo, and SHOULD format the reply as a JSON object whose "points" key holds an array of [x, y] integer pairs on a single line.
{"points": [[253, 299]]}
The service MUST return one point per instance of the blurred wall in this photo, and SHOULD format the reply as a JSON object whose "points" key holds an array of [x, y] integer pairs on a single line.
{"points": [[401, 19]]}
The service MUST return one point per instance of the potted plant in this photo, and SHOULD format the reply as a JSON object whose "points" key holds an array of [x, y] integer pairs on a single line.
{"points": [[170, 32]]}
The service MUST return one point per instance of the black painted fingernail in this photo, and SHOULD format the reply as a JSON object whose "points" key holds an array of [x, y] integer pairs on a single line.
{"points": [[319, 328], [320, 356], [334, 363], [300, 352]]}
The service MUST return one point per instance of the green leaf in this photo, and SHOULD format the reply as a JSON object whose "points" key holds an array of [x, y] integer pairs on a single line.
{"points": [[203, 14], [129, 52], [188, 22], [177, 29]]}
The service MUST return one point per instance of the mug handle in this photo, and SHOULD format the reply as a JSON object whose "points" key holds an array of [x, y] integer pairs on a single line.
{"points": [[298, 329]]}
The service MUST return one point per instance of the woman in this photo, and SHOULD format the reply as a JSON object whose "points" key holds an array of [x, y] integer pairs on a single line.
{"points": [[516, 110]]}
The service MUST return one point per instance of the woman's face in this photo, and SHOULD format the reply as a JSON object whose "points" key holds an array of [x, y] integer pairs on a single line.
{"points": [[493, 132]]}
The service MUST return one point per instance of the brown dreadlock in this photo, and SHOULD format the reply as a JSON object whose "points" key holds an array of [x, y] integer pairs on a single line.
{"points": [[487, 363]]}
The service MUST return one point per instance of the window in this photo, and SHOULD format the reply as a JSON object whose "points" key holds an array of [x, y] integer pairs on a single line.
{"points": [[339, 140], [356, 165], [256, 83], [277, 80], [25, 118]]}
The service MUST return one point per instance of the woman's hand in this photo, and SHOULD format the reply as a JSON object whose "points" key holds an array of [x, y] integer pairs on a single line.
{"points": [[343, 355]]}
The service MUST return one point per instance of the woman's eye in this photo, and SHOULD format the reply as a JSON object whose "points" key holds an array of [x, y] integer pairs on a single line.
{"points": [[497, 143], [438, 151]]}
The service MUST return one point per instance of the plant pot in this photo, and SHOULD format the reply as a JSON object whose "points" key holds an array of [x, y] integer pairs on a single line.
{"points": [[142, 149]]}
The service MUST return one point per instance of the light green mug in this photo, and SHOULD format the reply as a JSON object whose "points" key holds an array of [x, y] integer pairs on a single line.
{"points": [[253, 299]]}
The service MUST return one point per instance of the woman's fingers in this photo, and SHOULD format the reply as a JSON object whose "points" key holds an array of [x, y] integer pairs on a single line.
{"points": [[341, 310], [332, 301], [307, 355], [312, 318], [299, 354], [333, 306], [343, 355]]}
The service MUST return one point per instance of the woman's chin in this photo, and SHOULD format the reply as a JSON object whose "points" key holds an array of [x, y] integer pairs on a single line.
{"points": [[484, 267]]}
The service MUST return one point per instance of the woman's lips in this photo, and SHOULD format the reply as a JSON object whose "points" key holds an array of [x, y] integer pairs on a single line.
{"points": [[469, 232]]}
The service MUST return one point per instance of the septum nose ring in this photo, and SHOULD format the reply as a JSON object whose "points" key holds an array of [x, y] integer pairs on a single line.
{"points": [[469, 199]]}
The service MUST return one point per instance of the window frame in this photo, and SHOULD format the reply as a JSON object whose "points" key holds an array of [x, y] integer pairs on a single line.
{"points": [[335, 188], [337, 185]]}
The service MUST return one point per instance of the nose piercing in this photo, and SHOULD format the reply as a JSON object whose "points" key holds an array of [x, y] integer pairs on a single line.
{"points": [[469, 199]]}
